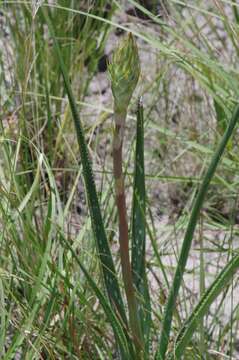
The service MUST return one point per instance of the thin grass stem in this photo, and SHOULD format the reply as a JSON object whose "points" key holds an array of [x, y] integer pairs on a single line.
{"points": [[168, 313]]}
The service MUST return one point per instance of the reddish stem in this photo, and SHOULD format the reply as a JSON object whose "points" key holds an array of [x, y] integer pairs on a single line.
{"points": [[123, 229]]}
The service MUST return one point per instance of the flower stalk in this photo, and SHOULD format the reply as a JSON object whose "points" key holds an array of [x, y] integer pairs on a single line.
{"points": [[124, 73]]}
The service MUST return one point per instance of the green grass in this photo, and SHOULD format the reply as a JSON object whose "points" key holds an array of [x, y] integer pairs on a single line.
{"points": [[62, 294]]}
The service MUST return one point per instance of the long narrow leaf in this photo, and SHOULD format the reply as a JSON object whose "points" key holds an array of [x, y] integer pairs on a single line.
{"points": [[105, 256], [112, 318], [138, 229], [202, 307], [167, 320]]}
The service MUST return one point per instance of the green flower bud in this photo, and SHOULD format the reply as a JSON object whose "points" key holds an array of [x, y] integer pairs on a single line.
{"points": [[124, 71]]}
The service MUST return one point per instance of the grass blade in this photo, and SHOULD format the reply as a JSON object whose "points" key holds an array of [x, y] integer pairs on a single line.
{"points": [[105, 256], [167, 320], [138, 230], [32, 190], [202, 307], [112, 318]]}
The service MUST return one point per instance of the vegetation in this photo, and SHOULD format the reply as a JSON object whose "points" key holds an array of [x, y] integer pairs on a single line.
{"points": [[90, 268]]}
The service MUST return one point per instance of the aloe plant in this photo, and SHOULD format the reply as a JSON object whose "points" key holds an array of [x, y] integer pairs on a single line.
{"points": [[105, 256], [124, 71], [138, 257]]}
